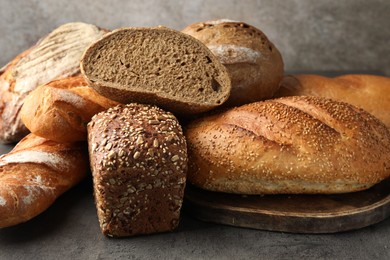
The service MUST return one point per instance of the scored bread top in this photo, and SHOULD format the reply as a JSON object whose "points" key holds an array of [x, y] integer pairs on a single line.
{"points": [[289, 145], [159, 66]]}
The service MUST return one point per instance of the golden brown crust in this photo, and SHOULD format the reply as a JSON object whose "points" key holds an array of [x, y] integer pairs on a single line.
{"points": [[34, 174], [289, 145], [369, 92], [61, 109], [53, 57], [254, 63]]}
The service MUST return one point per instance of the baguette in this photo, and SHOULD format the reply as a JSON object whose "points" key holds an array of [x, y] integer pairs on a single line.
{"points": [[55, 56], [368, 92], [34, 174], [289, 145], [60, 110]]}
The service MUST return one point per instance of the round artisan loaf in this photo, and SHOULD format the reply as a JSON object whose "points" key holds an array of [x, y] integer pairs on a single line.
{"points": [[254, 64], [289, 145], [138, 158], [369, 92]]}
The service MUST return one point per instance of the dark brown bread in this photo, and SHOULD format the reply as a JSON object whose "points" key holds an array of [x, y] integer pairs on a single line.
{"points": [[61, 109], [138, 158], [289, 145], [369, 92], [55, 56], [254, 63], [158, 66], [34, 174]]}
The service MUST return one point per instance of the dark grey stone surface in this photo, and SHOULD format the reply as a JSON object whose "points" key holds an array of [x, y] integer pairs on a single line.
{"points": [[69, 230], [311, 35]]}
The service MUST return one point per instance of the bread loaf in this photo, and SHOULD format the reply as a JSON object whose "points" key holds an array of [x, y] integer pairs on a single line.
{"points": [[158, 66], [254, 63], [368, 92], [289, 145], [34, 174], [138, 158], [55, 56], [61, 109]]}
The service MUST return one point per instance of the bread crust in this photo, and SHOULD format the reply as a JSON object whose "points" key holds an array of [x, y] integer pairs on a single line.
{"points": [[34, 174], [369, 92], [254, 63], [289, 145], [55, 56], [138, 158], [61, 109]]}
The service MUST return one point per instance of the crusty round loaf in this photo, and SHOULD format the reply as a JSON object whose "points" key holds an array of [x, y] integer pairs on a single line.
{"points": [[369, 92], [254, 64], [138, 157], [289, 145], [157, 66]]}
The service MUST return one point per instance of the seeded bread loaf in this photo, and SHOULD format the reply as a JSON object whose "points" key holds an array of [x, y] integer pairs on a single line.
{"points": [[138, 159], [61, 109], [55, 56], [254, 63], [34, 174], [289, 145], [369, 92], [158, 66]]}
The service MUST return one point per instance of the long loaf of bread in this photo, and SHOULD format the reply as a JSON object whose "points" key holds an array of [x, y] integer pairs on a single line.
{"points": [[368, 92], [61, 109], [34, 174], [289, 145]]}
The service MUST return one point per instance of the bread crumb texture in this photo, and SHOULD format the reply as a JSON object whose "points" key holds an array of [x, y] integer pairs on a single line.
{"points": [[159, 62]]}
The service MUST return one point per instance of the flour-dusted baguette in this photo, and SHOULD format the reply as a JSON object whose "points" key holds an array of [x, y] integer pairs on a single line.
{"points": [[138, 159], [254, 63], [34, 174], [61, 109], [369, 92], [289, 145], [55, 56], [158, 66]]}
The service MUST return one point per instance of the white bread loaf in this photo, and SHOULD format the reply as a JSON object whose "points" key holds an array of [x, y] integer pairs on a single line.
{"points": [[289, 145]]}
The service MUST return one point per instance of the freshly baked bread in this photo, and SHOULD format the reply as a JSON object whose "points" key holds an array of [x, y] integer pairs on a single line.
{"points": [[61, 109], [55, 56], [368, 92], [138, 158], [289, 145], [159, 66], [34, 174], [254, 63]]}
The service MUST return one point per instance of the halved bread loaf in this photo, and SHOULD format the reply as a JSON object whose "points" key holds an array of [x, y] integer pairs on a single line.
{"points": [[159, 66]]}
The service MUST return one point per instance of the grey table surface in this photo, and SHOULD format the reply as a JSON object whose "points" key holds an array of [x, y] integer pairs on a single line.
{"points": [[69, 230]]}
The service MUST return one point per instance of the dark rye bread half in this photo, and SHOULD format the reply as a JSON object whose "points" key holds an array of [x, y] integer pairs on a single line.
{"points": [[157, 66]]}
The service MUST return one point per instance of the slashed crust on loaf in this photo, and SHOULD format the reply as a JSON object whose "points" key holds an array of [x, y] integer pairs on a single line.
{"points": [[289, 145], [369, 92], [55, 56]]}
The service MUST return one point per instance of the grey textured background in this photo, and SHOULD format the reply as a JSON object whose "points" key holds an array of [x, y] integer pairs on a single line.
{"points": [[311, 35]]}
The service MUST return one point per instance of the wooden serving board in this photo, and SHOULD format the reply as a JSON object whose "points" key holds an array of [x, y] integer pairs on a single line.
{"points": [[292, 213]]}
